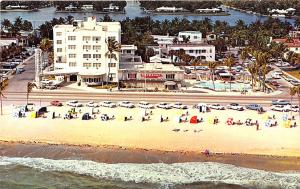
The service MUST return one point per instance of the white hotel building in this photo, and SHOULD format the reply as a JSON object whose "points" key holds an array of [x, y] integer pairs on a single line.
{"points": [[80, 51]]}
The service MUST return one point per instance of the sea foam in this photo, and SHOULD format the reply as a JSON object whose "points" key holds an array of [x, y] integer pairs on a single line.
{"points": [[164, 174]]}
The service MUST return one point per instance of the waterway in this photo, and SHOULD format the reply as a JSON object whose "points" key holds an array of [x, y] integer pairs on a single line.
{"points": [[132, 10]]}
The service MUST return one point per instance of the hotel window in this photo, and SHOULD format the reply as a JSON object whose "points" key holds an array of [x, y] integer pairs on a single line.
{"points": [[59, 42], [86, 47], [96, 55], [86, 38], [104, 28], [59, 50], [87, 65], [111, 56], [112, 65], [96, 47], [210, 50], [72, 47], [111, 76], [71, 38], [72, 64], [191, 51], [97, 65], [87, 55], [58, 33], [72, 55], [195, 37], [59, 58], [170, 76], [96, 38], [203, 51], [132, 76]]}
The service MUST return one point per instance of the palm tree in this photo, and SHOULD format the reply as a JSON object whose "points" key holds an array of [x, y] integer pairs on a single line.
{"points": [[29, 89], [186, 58], [112, 47], [253, 71], [1, 94], [292, 93], [229, 61], [212, 67], [175, 40], [45, 46], [296, 90], [196, 62]]}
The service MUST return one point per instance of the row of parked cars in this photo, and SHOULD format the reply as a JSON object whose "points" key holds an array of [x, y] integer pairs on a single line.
{"points": [[277, 105]]}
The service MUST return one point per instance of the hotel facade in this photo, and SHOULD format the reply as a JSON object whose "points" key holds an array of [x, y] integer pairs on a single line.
{"points": [[80, 51]]}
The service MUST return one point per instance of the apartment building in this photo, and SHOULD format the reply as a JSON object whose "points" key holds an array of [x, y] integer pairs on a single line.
{"points": [[203, 51], [80, 51]]}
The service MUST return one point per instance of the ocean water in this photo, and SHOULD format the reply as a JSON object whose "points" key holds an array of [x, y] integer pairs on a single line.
{"points": [[40, 173]]}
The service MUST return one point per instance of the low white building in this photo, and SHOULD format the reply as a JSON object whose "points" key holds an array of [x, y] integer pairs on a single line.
{"points": [[169, 9], [213, 10], [111, 8], [87, 7], [80, 51], [193, 36], [204, 52], [151, 76], [70, 8], [128, 49]]}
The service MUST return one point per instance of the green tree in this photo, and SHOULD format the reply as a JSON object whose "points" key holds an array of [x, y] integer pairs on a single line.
{"points": [[30, 86], [212, 67], [113, 47], [229, 62]]}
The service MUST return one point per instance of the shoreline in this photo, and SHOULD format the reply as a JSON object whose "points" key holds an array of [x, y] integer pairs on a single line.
{"points": [[116, 154], [97, 12], [188, 13]]}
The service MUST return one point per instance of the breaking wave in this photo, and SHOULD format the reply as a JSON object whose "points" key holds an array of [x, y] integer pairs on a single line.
{"points": [[165, 175]]}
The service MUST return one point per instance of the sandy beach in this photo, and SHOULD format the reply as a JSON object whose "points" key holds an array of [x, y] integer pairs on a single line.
{"points": [[269, 148]]}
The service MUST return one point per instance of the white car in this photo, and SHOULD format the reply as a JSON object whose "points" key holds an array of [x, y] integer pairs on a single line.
{"points": [[216, 107], [126, 104], [74, 103], [145, 105], [164, 105], [235, 106], [92, 104], [279, 108], [293, 108], [107, 104], [276, 76], [179, 105]]}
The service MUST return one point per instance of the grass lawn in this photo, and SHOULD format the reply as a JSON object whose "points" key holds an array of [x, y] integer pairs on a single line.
{"points": [[295, 73]]}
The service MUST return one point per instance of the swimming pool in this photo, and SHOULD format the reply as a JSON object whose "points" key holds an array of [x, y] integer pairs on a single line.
{"points": [[222, 86]]}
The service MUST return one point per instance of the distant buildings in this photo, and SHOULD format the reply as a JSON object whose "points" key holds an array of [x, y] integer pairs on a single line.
{"points": [[213, 10], [282, 12], [111, 8], [169, 9], [10, 7], [293, 45], [191, 42], [87, 7], [80, 51]]}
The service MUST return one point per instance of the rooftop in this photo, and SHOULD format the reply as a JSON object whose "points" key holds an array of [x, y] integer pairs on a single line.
{"points": [[288, 42], [151, 67]]}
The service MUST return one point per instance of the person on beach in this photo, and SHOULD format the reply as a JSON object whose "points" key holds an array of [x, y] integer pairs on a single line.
{"points": [[257, 125]]}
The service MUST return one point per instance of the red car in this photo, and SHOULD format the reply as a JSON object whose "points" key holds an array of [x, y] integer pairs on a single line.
{"points": [[275, 83], [55, 103]]}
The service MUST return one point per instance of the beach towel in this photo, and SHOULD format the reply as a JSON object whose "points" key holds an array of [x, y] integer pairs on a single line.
{"points": [[193, 119]]}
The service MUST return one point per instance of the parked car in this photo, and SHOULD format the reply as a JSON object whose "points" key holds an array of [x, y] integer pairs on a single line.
{"points": [[50, 87], [295, 82], [235, 106], [179, 105], [145, 105], [126, 104], [279, 108], [164, 105], [282, 64], [216, 106], [274, 83], [107, 104], [92, 104], [74, 103], [280, 102], [276, 76], [293, 108], [253, 107], [55, 103]]}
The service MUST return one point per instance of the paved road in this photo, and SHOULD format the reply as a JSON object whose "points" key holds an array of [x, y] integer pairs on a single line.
{"points": [[18, 83]]}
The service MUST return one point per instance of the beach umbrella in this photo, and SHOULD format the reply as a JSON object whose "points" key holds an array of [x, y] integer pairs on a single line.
{"points": [[229, 121], [211, 120], [193, 119], [286, 124], [285, 117]]}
